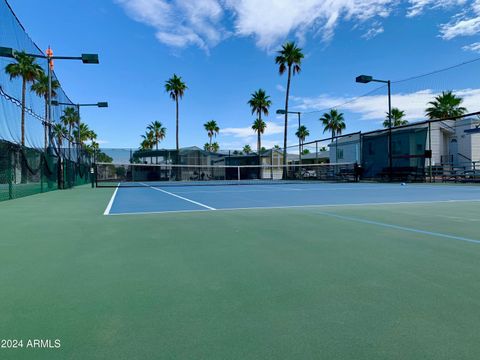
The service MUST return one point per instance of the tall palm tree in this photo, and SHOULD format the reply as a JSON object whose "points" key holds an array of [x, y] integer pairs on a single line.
{"points": [[40, 87], [289, 60], [446, 105], [397, 118], [333, 122], [212, 129], [29, 71], [259, 104], [259, 127], [176, 87], [247, 149], [302, 133], [70, 118]]}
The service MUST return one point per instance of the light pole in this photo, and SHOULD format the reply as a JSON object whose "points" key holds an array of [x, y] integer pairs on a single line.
{"points": [[98, 104], [365, 79], [103, 104], [299, 114], [85, 58]]}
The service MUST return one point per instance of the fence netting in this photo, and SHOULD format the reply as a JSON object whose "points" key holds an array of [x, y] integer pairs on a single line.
{"points": [[38, 163]]}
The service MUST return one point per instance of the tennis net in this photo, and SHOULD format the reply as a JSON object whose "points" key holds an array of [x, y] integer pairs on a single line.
{"points": [[138, 175]]}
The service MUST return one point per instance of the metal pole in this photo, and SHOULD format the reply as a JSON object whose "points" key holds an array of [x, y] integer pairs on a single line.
{"points": [[430, 148], [390, 150], [299, 143], [49, 101], [79, 145]]}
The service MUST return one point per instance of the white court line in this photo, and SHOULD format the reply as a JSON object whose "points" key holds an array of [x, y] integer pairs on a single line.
{"points": [[180, 197], [109, 206], [401, 228], [301, 206]]}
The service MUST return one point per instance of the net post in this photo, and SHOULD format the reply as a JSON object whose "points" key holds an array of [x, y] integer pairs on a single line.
{"points": [[238, 173]]}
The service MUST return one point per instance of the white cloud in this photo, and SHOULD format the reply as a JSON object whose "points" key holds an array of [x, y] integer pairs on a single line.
{"points": [[417, 7], [465, 23], [475, 47], [374, 107], [180, 23], [270, 21], [377, 29], [281, 88]]}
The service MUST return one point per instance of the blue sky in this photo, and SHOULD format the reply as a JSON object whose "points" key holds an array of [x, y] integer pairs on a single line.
{"points": [[225, 49]]}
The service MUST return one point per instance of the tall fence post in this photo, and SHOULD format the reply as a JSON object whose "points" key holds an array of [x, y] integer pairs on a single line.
{"points": [[430, 148]]}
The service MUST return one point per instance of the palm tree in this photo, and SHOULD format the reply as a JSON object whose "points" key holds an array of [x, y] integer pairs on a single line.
{"points": [[59, 132], [212, 129], [289, 59], [70, 118], [214, 147], [302, 133], [333, 122], [148, 142], [176, 87], [444, 106], [40, 87], [29, 71], [247, 149], [259, 127], [83, 133], [259, 103], [159, 133], [397, 118]]}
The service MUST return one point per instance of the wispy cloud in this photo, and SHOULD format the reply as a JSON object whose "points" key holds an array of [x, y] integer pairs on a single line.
{"points": [[417, 7], [202, 23], [465, 23], [475, 47], [374, 31], [180, 23], [373, 107]]}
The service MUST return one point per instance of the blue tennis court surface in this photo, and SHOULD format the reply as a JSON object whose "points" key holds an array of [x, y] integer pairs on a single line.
{"points": [[158, 199]]}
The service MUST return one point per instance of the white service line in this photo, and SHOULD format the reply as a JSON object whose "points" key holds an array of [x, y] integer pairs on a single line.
{"points": [[112, 199], [180, 197]]}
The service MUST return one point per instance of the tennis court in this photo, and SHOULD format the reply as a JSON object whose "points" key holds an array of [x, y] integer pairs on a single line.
{"points": [[158, 197], [364, 271]]}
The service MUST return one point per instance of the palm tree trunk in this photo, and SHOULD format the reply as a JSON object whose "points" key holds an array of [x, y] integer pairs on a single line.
{"points": [[259, 141], [176, 105], [156, 147], [24, 90], [286, 122]]}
